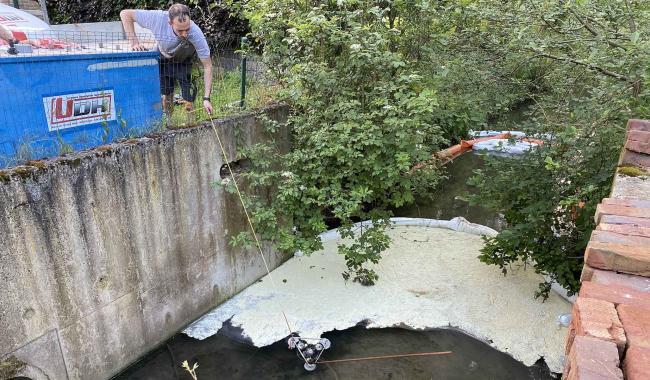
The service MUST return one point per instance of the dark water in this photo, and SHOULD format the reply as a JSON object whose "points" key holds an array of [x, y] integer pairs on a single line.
{"points": [[448, 201], [220, 357]]}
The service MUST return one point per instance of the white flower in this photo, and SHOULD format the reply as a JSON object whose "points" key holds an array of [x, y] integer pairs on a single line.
{"points": [[287, 174]]}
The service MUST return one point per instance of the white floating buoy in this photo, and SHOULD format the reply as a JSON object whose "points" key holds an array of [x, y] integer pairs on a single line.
{"points": [[310, 367], [564, 320]]}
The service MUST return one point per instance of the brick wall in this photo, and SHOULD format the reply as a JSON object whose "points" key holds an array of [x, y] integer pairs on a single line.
{"points": [[609, 336]]}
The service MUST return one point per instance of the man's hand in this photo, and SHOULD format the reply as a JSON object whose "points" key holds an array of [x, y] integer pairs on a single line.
{"points": [[33, 44], [128, 23], [207, 106], [137, 46], [207, 80]]}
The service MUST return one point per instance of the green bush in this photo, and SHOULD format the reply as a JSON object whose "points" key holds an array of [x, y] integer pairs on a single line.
{"points": [[222, 28]]}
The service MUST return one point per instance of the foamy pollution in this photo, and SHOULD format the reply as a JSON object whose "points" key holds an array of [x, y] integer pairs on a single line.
{"points": [[430, 277]]}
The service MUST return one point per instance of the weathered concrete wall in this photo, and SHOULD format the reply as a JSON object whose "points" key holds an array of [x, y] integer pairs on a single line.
{"points": [[106, 254]]}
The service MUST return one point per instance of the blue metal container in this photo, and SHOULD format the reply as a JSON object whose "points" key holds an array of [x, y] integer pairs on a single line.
{"points": [[58, 103]]}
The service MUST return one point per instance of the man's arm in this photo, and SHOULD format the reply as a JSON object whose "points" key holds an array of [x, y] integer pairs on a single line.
{"points": [[207, 80], [5, 34], [128, 22]]}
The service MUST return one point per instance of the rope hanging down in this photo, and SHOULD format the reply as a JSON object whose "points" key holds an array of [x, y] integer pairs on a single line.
{"points": [[250, 223], [310, 353]]}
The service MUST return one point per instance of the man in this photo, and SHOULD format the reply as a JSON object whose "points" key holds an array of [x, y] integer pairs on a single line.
{"points": [[9, 37], [178, 39], [5, 34]]}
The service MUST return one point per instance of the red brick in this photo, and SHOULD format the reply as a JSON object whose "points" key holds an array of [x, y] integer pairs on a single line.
{"points": [[625, 220], [615, 294], [629, 202], [642, 136], [613, 237], [636, 321], [637, 363], [626, 229], [638, 146], [587, 273], [605, 277], [633, 158], [605, 209], [568, 339], [593, 359], [619, 257], [598, 319], [638, 125]]}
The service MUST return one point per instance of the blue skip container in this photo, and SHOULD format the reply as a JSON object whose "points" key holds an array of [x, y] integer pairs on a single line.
{"points": [[51, 104]]}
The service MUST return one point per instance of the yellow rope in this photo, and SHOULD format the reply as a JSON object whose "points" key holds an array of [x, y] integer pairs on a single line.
{"points": [[259, 247], [250, 223], [384, 357]]}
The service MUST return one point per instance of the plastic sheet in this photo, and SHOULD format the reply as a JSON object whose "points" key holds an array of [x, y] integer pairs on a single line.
{"points": [[476, 134], [504, 146]]}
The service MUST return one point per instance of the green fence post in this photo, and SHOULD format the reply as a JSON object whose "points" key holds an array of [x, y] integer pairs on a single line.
{"points": [[242, 100], [16, 4]]}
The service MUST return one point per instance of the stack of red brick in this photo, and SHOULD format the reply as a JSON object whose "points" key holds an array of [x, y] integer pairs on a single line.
{"points": [[609, 336]]}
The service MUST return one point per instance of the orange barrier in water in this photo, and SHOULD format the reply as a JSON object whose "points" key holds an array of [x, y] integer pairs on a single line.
{"points": [[454, 151]]}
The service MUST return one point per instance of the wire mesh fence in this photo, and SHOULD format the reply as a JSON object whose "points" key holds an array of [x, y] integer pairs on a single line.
{"points": [[65, 91]]}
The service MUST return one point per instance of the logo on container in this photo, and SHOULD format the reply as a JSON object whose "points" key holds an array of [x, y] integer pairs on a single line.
{"points": [[73, 110]]}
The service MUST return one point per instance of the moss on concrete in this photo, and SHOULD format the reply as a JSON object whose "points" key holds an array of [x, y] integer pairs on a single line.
{"points": [[5, 175], [23, 171], [10, 367], [36, 163], [632, 170]]}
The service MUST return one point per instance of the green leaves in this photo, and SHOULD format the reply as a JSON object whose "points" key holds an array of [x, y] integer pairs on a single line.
{"points": [[376, 87], [361, 119], [582, 65], [549, 164]]}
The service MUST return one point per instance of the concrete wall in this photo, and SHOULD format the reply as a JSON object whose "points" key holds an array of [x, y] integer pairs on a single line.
{"points": [[107, 253]]}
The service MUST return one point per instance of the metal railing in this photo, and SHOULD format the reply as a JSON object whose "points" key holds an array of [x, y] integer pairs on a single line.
{"points": [[68, 91]]}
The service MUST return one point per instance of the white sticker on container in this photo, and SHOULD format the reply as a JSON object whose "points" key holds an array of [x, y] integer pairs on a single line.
{"points": [[74, 110], [122, 64]]}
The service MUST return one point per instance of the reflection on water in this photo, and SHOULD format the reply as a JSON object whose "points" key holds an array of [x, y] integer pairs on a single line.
{"points": [[448, 199], [222, 357]]}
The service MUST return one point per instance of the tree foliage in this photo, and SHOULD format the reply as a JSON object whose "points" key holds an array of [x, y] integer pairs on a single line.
{"points": [[361, 118], [377, 86], [594, 76], [222, 27], [352, 69]]}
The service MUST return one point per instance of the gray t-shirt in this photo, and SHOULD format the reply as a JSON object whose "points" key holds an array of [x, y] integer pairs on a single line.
{"points": [[169, 44]]}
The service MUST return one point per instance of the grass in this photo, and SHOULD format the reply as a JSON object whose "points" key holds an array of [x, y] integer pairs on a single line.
{"points": [[225, 99]]}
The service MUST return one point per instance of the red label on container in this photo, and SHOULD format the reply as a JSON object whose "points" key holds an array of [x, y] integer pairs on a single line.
{"points": [[73, 110]]}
